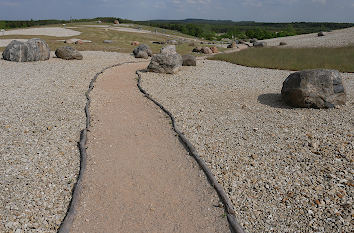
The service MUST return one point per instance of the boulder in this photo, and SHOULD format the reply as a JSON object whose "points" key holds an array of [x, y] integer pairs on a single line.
{"points": [[189, 60], [68, 53], [282, 43], [232, 45], [169, 49], [206, 50], [254, 40], [142, 54], [197, 49], [159, 42], [135, 43], [214, 49], [107, 41], [318, 88], [165, 63], [320, 34], [116, 21], [260, 44], [144, 48], [32, 50]]}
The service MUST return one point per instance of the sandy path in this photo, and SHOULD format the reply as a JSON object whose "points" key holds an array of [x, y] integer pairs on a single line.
{"points": [[139, 178]]}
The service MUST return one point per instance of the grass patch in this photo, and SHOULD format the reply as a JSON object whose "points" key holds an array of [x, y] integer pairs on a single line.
{"points": [[341, 59]]}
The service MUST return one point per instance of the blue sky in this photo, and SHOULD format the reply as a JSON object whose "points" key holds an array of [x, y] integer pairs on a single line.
{"points": [[237, 10]]}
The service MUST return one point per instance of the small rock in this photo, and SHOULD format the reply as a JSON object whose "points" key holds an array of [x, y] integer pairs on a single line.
{"points": [[189, 60], [206, 50], [214, 49], [107, 41], [144, 48], [68, 53], [197, 49], [260, 44], [135, 43]]}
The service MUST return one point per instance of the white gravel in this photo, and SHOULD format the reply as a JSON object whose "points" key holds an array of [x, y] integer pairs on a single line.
{"points": [[50, 31], [336, 38], [41, 115], [285, 170]]}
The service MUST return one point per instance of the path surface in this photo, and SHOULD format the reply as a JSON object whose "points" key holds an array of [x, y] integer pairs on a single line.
{"points": [[139, 178]]}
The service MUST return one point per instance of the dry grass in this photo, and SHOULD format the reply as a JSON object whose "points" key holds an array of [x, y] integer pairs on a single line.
{"points": [[341, 59]]}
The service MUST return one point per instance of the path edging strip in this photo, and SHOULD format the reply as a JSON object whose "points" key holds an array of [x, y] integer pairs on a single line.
{"points": [[234, 225]]}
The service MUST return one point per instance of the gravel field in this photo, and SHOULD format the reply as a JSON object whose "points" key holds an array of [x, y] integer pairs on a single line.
{"points": [[337, 38], [51, 31], [41, 116], [285, 170]]}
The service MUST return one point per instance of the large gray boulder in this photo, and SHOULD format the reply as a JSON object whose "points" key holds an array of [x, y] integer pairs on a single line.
{"points": [[142, 48], [189, 60], [318, 88], [169, 49], [68, 53], [165, 63], [32, 50]]}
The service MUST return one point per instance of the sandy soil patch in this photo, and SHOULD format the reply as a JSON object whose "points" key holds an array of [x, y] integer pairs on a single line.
{"points": [[285, 170], [50, 31], [41, 116], [336, 38]]}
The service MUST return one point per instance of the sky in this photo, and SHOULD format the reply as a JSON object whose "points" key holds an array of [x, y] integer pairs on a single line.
{"points": [[236, 10]]}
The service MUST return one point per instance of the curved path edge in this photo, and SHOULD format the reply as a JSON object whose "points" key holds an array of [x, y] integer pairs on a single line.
{"points": [[234, 225], [67, 222]]}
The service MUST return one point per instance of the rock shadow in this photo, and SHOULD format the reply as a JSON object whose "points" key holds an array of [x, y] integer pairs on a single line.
{"points": [[273, 100]]}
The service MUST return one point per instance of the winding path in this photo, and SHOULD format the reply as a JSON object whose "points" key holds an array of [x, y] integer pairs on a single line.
{"points": [[139, 178]]}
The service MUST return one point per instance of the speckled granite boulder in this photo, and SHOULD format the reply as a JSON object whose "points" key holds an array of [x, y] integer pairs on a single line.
{"points": [[165, 63], [68, 53], [32, 50], [318, 88]]}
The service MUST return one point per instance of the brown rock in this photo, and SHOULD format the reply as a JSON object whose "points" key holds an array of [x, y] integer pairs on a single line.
{"points": [[214, 49], [135, 43], [206, 50]]}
